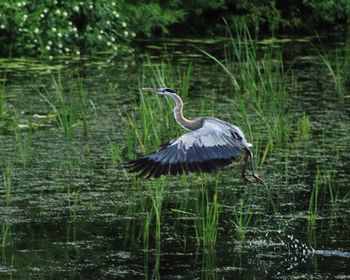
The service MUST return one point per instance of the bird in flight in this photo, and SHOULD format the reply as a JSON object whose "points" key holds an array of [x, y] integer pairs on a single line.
{"points": [[209, 144]]}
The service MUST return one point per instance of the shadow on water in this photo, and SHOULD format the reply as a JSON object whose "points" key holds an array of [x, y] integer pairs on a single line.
{"points": [[68, 210]]}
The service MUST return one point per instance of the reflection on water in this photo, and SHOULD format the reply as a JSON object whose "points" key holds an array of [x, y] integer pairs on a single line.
{"points": [[74, 213]]}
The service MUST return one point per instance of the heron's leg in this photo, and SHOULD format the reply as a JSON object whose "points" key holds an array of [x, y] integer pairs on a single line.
{"points": [[252, 169], [244, 176], [245, 165]]}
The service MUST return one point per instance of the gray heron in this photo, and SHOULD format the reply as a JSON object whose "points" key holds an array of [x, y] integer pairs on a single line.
{"points": [[209, 144]]}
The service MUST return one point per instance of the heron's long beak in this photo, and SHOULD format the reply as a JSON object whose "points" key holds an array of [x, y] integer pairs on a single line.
{"points": [[149, 89]]}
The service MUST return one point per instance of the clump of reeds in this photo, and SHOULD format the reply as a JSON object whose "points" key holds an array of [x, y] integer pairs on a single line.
{"points": [[24, 142], [241, 219], [70, 106], [206, 224], [259, 80], [3, 108], [303, 128], [314, 200], [338, 66], [7, 182], [324, 190]]}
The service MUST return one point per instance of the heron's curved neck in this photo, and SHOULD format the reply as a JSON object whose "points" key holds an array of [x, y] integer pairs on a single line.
{"points": [[179, 117]]}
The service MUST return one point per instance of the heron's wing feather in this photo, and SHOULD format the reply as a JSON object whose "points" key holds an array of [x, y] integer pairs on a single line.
{"points": [[212, 146]]}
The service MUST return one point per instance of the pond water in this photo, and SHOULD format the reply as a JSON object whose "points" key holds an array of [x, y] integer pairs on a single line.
{"points": [[69, 210]]}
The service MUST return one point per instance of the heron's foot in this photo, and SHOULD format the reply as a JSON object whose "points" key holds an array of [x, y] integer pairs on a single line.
{"points": [[247, 179], [257, 178], [250, 180]]}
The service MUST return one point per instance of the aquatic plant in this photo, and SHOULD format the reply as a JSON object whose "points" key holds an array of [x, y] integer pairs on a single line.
{"points": [[73, 200], [303, 128], [5, 232], [116, 155], [69, 106], [7, 182], [262, 84], [338, 66], [207, 220], [154, 213], [64, 111], [24, 142], [333, 191], [209, 269], [3, 108], [241, 218], [84, 104], [146, 230], [312, 213], [156, 127]]}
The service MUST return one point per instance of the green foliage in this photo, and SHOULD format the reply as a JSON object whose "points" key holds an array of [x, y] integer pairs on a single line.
{"points": [[24, 142], [338, 66], [69, 106], [2, 100], [148, 17], [156, 130], [241, 219], [261, 13], [260, 81], [289, 15], [206, 226], [328, 11], [6, 170], [55, 27], [303, 128]]}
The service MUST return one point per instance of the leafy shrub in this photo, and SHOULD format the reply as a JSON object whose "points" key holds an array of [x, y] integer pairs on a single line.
{"points": [[51, 27], [328, 11]]}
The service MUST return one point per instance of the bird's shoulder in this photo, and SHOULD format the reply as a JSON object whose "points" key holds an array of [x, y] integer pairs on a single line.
{"points": [[211, 130], [220, 127], [217, 124], [210, 127]]}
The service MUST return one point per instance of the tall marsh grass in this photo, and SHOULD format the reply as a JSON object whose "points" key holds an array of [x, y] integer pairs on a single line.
{"points": [[70, 106], [156, 196], [3, 108], [65, 112], [241, 219], [259, 80], [324, 192], [6, 170], [24, 143], [206, 225], [338, 66], [153, 208], [156, 112], [303, 128], [314, 200]]}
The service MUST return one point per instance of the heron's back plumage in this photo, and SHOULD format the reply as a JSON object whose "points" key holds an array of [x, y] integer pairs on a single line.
{"points": [[214, 145]]}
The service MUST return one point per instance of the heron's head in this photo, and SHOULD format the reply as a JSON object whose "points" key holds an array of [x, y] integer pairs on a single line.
{"points": [[162, 91]]}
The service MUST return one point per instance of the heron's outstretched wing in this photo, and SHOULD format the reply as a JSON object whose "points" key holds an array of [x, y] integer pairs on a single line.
{"points": [[213, 145]]}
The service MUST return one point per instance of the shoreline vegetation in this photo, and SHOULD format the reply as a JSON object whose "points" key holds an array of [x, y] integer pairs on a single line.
{"points": [[55, 28]]}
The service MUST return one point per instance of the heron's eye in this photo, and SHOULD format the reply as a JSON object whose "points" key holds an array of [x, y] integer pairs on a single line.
{"points": [[169, 90]]}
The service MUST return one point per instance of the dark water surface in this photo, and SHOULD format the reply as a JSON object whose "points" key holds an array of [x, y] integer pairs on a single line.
{"points": [[75, 214]]}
